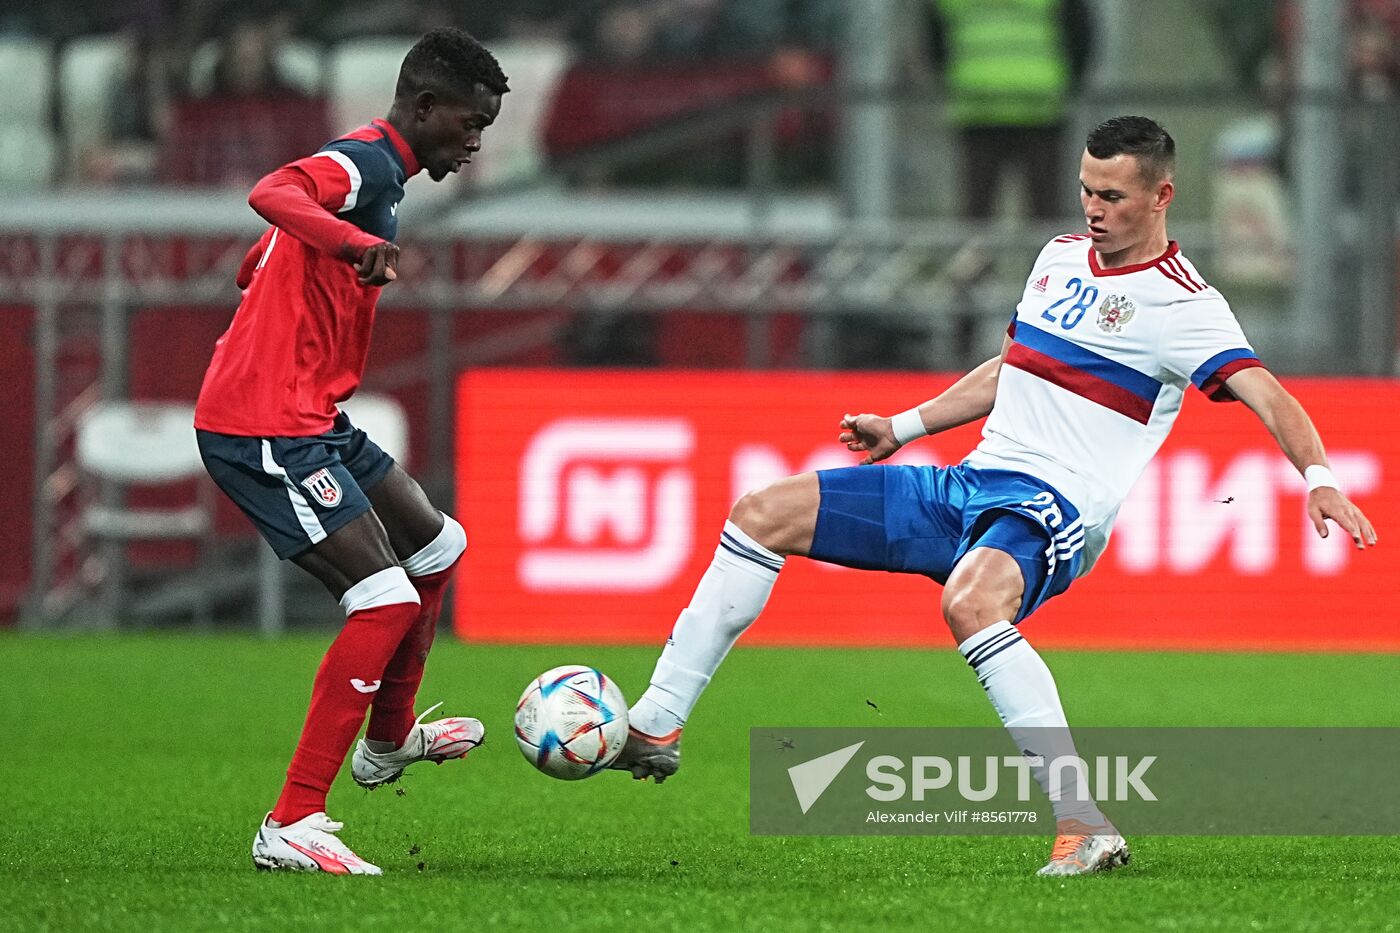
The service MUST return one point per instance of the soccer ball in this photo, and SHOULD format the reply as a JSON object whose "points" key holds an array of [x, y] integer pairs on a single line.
{"points": [[571, 722]]}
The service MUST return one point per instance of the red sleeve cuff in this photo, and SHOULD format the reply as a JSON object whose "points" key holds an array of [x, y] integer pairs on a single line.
{"points": [[1215, 388], [249, 265]]}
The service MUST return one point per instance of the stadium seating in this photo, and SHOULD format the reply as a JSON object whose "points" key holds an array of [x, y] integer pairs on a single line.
{"points": [[122, 447], [89, 68], [28, 144]]}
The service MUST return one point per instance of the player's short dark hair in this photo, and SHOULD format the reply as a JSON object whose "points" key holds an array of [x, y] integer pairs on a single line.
{"points": [[450, 62], [1135, 136]]}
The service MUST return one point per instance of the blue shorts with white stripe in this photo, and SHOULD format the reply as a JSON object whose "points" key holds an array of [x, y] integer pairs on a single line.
{"points": [[908, 519], [297, 490]]}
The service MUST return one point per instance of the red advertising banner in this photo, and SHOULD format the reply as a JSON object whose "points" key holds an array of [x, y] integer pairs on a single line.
{"points": [[594, 500]]}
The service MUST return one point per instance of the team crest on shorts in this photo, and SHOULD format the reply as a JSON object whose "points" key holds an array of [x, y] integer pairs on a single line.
{"points": [[1115, 312], [323, 486]]}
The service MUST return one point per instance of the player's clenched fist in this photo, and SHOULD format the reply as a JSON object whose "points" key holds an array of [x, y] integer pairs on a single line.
{"points": [[378, 265], [870, 433]]}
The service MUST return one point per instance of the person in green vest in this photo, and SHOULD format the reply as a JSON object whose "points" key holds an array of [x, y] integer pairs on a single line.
{"points": [[1009, 66]]}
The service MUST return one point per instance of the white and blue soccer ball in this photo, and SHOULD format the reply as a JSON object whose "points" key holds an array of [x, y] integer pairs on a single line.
{"points": [[571, 722]]}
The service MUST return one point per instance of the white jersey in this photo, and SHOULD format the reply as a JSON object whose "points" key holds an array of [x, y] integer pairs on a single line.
{"points": [[1099, 363]]}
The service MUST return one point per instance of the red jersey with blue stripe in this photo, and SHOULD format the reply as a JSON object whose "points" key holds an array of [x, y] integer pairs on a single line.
{"points": [[1099, 363], [298, 342]]}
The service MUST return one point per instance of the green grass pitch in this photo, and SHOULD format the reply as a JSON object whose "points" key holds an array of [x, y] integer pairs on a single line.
{"points": [[136, 769]]}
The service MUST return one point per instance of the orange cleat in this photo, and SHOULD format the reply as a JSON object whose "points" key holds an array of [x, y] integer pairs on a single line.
{"points": [[1081, 849]]}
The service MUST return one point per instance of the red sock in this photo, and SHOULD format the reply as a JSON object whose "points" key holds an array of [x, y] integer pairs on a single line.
{"points": [[391, 716], [358, 655]]}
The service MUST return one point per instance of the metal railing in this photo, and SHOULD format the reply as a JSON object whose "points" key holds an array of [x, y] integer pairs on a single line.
{"points": [[86, 263]]}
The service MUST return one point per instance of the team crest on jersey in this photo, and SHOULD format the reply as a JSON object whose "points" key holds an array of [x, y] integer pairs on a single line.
{"points": [[1115, 312], [323, 486]]}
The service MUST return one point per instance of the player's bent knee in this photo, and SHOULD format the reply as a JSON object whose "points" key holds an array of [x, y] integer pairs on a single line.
{"points": [[969, 609], [776, 516], [387, 587], [985, 587], [751, 512], [441, 553], [962, 610]]}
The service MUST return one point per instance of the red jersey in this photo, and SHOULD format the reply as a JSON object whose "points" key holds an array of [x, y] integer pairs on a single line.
{"points": [[298, 342]]}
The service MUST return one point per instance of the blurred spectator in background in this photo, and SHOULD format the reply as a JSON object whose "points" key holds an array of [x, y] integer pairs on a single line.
{"points": [[1245, 32], [1372, 39], [1373, 83], [624, 33], [247, 65], [644, 63], [1374, 50], [1252, 205], [252, 118], [138, 116], [1009, 68], [117, 108]]}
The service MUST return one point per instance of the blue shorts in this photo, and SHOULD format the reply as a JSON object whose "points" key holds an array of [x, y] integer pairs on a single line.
{"points": [[297, 490], [909, 519]]}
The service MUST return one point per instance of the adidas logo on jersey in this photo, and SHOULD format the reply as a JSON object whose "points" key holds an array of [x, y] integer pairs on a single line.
{"points": [[1042, 283]]}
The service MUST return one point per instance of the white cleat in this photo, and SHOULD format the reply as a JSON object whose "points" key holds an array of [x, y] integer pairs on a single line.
{"points": [[438, 741], [1083, 850], [309, 844], [649, 756]]}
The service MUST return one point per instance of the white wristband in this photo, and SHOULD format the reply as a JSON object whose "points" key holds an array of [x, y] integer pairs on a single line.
{"points": [[908, 426], [1318, 475]]}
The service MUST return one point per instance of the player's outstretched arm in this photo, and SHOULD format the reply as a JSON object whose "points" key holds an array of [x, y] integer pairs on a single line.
{"points": [[968, 399], [288, 199], [1300, 443]]}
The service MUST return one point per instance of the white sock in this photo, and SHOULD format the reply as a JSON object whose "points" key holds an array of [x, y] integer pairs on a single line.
{"points": [[1024, 695], [730, 596]]}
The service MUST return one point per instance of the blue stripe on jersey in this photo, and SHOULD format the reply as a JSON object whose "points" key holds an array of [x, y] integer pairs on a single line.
{"points": [[1082, 358], [1209, 367]]}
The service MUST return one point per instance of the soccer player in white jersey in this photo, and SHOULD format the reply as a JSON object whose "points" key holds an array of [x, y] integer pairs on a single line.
{"points": [[1114, 327]]}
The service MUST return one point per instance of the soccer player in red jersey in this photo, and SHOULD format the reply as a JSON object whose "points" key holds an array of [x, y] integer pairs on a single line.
{"points": [[320, 490]]}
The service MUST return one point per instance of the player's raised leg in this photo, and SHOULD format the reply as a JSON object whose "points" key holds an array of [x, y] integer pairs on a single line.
{"points": [[429, 544], [357, 565], [764, 528], [983, 595]]}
